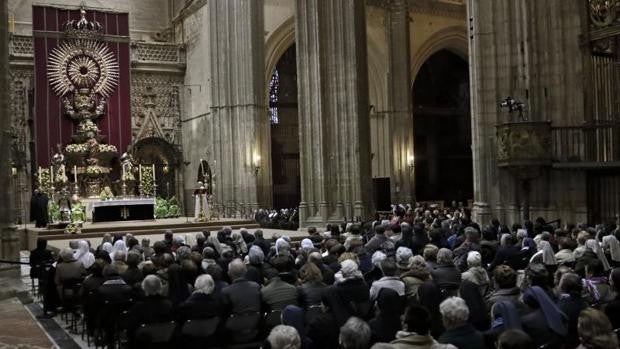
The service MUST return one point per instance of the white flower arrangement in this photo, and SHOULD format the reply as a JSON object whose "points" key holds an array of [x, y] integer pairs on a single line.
{"points": [[88, 126], [107, 148], [93, 170], [76, 148]]}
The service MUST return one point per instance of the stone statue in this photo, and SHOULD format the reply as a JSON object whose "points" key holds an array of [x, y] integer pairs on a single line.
{"points": [[128, 166]]}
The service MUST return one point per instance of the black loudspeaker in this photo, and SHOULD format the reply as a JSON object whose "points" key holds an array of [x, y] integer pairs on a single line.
{"points": [[382, 193]]}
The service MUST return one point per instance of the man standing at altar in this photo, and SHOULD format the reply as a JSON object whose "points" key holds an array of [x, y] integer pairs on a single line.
{"points": [[201, 206]]}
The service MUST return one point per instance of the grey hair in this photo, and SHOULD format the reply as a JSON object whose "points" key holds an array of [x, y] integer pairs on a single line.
{"points": [[445, 257], [204, 284], [151, 285], [66, 254], [236, 269], [454, 310], [354, 334], [474, 259], [284, 337]]}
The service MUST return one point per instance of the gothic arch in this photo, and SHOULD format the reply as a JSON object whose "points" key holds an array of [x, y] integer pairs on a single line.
{"points": [[453, 39], [276, 44]]}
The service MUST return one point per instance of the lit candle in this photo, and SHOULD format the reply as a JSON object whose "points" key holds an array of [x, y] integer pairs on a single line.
{"points": [[75, 173], [153, 168], [140, 174], [40, 179], [52, 175], [123, 176]]}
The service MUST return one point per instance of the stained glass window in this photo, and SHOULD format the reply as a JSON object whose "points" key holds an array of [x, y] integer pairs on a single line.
{"points": [[274, 85]]}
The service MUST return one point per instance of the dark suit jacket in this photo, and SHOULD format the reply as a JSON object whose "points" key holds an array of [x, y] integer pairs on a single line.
{"points": [[199, 306], [149, 310], [463, 337], [242, 296]]}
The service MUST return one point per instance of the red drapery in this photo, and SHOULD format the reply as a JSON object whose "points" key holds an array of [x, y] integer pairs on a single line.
{"points": [[51, 126]]}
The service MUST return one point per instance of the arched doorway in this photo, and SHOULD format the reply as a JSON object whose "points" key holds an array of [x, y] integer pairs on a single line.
{"points": [[285, 132], [442, 129], [158, 152]]}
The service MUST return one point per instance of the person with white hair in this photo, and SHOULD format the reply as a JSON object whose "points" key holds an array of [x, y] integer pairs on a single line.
{"points": [[459, 332], [152, 308], [284, 337], [476, 273], [202, 303], [354, 334], [446, 275], [349, 294]]}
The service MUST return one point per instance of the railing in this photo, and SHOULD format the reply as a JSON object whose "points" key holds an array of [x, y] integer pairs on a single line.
{"points": [[157, 53], [21, 46], [598, 142]]}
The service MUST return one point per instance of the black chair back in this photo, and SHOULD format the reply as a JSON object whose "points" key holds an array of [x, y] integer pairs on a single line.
{"points": [[157, 333], [202, 328]]}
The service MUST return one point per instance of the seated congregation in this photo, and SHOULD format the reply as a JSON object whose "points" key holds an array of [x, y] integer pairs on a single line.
{"points": [[419, 280]]}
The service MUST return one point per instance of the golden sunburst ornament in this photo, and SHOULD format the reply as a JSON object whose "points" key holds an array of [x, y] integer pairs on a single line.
{"points": [[83, 71], [80, 63]]}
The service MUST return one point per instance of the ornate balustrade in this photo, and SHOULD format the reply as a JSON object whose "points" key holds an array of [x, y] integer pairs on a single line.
{"points": [[21, 46], [142, 52]]}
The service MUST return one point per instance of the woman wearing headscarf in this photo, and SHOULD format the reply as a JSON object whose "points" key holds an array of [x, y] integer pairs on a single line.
{"points": [[592, 252], [104, 252], [478, 315], [386, 322], [546, 256], [83, 254], [119, 246], [213, 241], [505, 316], [546, 323], [611, 248]]}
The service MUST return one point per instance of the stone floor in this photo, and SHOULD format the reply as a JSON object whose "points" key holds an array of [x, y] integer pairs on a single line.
{"points": [[19, 328]]}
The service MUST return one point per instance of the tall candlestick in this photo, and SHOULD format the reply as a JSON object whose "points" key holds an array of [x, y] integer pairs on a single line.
{"points": [[123, 176], [153, 168], [40, 178], [52, 175], [140, 174], [75, 173]]}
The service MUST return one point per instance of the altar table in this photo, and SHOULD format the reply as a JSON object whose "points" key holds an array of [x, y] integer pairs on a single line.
{"points": [[123, 210]]}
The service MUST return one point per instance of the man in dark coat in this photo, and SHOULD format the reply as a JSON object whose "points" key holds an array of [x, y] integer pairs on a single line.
{"points": [[38, 209]]}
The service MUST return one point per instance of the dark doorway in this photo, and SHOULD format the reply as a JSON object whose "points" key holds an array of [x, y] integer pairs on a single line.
{"points": [[442, 129], [285, 132]]}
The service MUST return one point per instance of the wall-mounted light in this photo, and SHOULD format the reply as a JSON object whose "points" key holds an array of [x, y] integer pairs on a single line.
{"points": [[410, 162], [256, 163]]}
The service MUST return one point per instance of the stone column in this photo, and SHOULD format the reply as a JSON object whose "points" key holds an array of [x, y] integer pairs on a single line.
{"points": [[9, 241], [238, 122], [333, 111], [399, 102]]}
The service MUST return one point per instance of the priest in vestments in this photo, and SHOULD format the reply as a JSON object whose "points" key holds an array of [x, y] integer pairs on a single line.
{"points": [[201, 206]]}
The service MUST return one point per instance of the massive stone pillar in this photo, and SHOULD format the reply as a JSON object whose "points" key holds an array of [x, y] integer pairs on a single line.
{"points": [[399, 103], [238, 126], [333, 111], [529, 50], [9, 242]]}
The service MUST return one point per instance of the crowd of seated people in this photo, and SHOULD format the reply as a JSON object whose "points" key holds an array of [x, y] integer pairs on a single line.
{"points": [[283, 219], [426, 279]]}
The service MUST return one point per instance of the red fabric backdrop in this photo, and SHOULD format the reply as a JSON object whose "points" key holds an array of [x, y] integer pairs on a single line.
{"points": [[51, 126]]}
